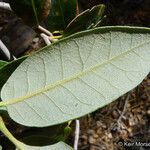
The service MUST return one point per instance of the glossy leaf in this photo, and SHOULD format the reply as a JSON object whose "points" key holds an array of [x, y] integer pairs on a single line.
{"points": [[44, 136], [31, 11], [61, 13], [77, 75], [57, 146], [21, 146], [87, 19], [2, 63]]}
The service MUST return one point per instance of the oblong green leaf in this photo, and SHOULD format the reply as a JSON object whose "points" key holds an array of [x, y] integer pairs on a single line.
{"points": [[44, 136], [8, 69], [77, 75], [85, 20], [57, 146], [61, 13], [2, 63]]}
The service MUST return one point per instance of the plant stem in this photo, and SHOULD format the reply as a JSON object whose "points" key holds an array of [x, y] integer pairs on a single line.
{"points": [[45, 30], [77, 133], [45, 38], [6, 132]]}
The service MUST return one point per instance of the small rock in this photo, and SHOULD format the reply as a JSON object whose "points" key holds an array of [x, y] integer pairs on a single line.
{"points": [[35, 40], [92, 140], [84, 137], [99, 131], [96, 136], [115, 114], [91, 132], [110, 136], [100, 124], [148, 112]]}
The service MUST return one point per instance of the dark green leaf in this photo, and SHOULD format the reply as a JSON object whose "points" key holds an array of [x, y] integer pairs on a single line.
{"points": [[86, 20], [61, 13], [44, 136], [2, 63]]}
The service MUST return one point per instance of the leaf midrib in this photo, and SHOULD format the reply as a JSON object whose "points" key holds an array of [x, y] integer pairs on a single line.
{"points": [[65, 80]]}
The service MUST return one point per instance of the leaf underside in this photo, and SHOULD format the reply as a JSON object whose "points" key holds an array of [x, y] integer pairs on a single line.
{"points": [[77, 75], [57, 146], [7, 69]]}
